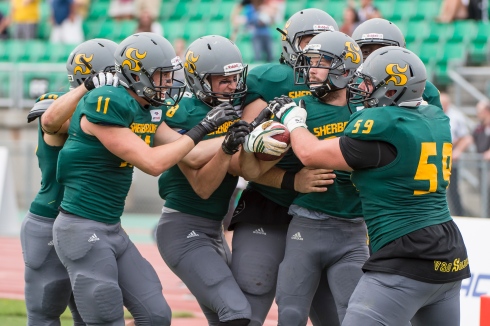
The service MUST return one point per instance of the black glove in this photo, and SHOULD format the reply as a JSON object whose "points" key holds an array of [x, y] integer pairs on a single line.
{"points": [[263, 116], [278, 102], [235, 137], [211, 122], [217, 116]]}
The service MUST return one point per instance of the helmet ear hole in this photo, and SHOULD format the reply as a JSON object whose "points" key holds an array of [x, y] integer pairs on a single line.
{"points": [[135, 77]]}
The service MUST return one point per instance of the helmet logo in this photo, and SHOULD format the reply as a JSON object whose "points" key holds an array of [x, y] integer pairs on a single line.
{"points": [[132, 62], [81, 67], [352, 51], [371, 36], [397, 75], [190, 62], [283, 37], [322, 27]]}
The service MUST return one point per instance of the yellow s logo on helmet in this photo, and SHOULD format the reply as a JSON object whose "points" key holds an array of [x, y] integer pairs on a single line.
{"points": [[283, 36], [397, 74], [82, 67], [132, 61], [190, 61], [352, 51]]}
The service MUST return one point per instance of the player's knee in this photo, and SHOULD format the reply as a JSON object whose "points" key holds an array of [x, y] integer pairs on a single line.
{"points": [[235, 322], [291, 317], [98, 301], [255, 276]]}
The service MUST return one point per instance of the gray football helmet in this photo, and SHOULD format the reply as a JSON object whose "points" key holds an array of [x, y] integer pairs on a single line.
{"points": [[387, 69], [378, 31], [138, 57], [343, 55], [214, 55], [305, 22], [91, 56]]}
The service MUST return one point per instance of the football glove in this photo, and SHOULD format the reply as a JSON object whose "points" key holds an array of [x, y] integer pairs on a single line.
{"points": [[290, 114], [260, 141], [217, 116], [101, 79], [235, 136]]}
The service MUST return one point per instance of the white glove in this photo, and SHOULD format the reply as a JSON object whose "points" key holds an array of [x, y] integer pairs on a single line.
{"points": [[105, 78], [260, 141], [291, 115]]}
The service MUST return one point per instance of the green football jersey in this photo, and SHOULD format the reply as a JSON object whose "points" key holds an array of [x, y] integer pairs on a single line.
{"points": [[49, 197], [267, 82], [342, 198], [173, 184], [409, 193], [432, 95], [97, 181]]}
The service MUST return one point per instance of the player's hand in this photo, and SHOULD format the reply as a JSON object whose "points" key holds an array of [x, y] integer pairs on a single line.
{"points": [[217, 116], [235, 136], [101, 79], [309, 180], [290, 114], [261, 141]]}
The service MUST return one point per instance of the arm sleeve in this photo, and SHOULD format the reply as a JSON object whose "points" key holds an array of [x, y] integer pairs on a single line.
{"points": [[363, 154]]}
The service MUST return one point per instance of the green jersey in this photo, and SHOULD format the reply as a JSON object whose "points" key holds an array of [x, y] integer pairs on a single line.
{"points": [[173, 184], [342, 199], [266, 82], [432, 95], [97, 181], [49, 197], [409, 193]]}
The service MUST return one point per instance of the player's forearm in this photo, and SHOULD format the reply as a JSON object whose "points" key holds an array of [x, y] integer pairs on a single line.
{"points": [[272, 177], [62, 109], [206, 180]]}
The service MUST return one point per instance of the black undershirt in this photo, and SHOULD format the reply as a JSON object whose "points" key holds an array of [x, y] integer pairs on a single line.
{"points": [[364, 154]]}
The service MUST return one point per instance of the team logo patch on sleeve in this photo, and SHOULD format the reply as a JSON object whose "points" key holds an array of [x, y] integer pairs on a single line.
{"points": [[156, 115]]}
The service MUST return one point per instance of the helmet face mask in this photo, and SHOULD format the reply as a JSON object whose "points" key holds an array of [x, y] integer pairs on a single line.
{"points": [[215, 56], [391, 76], [333, 51], [145, 63], [96, 55], [303, 23]]}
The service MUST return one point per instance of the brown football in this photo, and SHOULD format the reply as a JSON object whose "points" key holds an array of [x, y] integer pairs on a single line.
{"points": [[284, 137]]}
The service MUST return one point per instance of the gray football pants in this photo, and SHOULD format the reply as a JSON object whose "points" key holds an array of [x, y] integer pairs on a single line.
{"points": [[389, 299], [257, 252], [335, 246], [47, 285], [194, 248], [106, 271]]}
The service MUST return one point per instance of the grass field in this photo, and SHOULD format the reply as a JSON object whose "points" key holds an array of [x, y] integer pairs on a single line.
{"points": [[13, 313]]}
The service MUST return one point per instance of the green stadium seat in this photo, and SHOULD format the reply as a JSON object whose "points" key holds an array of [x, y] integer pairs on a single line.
{"points": [[429, 52], [44, 30], [182, 10], [123, 29], [416, 30], [453, 52], [426, 10], [247, 51], [98, 10], [5, 7], [106, 29], [224, 11], [293, 7], [335, 8], [36, 51], [479, 53], [5, 49], [18, 51], [439, 32], [482, 32], [386, 8], [403, 10], [218, 27], [463, 31], [167, 8], [91, 28], [194, 30], [174, 29]]}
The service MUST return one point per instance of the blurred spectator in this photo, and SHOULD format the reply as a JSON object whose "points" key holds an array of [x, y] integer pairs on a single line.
{"points": [[481, 135], [260, 17], [453, 10], [461, 139], [4, 23], [180, 47], [67, 25], [146, 23], [24, 17], [367, 11], [122, 9], [152, 6], [351, 21], [81, 8]]}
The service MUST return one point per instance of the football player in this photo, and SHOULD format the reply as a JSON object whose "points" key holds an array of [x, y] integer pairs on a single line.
{"points": [[261, 219], [112, 130], [47, 285], [399, 152], [378, 32], [327, 234], [190, 234]]}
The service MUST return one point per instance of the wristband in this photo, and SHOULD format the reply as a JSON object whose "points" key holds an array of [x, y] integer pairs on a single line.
{"points": [[197, 133], [288, 180]]}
